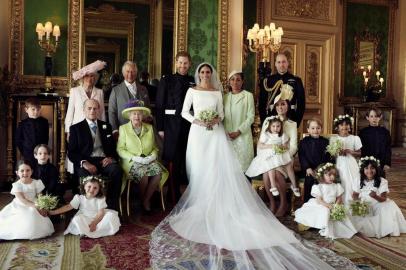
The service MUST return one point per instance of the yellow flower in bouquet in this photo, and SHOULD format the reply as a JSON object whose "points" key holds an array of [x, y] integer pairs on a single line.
{"points": [[337, 213], [207, 116], [46, 202]]}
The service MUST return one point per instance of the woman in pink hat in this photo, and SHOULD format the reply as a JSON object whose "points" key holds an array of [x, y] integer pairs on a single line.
{"points": [[87, 77]]}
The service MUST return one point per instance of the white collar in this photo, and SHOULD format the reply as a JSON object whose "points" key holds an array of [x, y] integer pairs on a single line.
{"points": [[133, 85], [90, 122]]}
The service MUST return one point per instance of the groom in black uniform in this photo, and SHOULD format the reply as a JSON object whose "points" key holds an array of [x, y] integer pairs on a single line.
{"points": [[172, 128], [272, 89]]}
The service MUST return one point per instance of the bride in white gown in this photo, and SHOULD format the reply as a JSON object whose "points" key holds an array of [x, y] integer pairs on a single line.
{"points": [[220, 222]]}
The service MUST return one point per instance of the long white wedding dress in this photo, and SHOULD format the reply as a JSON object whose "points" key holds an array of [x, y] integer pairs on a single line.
{"points": [[220, 222]]}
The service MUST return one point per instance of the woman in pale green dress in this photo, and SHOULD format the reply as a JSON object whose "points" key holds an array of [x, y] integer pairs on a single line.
{"points": [[239, 112]]}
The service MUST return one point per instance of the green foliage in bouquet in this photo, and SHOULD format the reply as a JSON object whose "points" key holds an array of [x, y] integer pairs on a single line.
{"points": [[337, 213], [279, 149], [359, 208], [334, 148], [208, 116], [46, 202]]}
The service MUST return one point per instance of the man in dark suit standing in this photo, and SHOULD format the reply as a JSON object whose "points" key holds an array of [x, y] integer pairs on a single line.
{"points": [[92, 150], [122, 93], [172, 128], [271, 88]]}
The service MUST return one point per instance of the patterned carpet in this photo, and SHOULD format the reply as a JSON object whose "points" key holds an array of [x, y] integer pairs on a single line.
{"points": [[129, 249]]}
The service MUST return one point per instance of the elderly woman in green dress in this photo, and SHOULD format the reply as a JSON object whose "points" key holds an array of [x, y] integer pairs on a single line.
{"points": [[138, 152], [239, 112]]}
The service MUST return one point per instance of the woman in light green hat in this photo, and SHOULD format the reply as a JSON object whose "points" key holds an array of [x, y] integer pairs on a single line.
{"points": [[138, 152], [239, 112]]}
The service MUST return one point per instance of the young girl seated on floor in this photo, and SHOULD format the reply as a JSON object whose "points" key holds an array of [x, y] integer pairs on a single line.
{"points": [[385, 217], [273, 153], [93, 219], [21, 219], [316, 212]]}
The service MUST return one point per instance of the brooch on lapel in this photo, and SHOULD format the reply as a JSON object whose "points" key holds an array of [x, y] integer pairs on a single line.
{"points": [[104, 126]]}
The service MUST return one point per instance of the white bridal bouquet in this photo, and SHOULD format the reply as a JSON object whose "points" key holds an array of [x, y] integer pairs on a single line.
{"points": [[334, 148], [46, 202], [207, 116]]}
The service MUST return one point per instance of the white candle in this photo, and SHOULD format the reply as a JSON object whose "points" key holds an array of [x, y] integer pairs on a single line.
{"points": [[362, 67], [381, 81], [366, 81], [364, 74], [369, 67]]}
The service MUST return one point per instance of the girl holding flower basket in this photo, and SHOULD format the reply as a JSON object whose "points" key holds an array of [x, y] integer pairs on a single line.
{"points": [[325, 211], [385, 217], [344, 146], [22, 218], [273, 152], [92, 219]]}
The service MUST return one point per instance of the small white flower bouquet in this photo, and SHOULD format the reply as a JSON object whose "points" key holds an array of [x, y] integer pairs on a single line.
{"points": [[359, 208], [279, 149], [46, 202], [337, 213], [207, 116], [334, 148]]}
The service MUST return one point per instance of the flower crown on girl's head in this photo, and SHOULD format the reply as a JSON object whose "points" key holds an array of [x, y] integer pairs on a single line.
{"points": [[323, 168], [86, 179], [362, 162], [270, 118], [341, 117]]}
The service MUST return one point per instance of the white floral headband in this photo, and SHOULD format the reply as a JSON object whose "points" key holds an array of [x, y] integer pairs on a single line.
{"points": [[326, 167], [363, 160], [91, 177], [342, 117], [274, 117]]}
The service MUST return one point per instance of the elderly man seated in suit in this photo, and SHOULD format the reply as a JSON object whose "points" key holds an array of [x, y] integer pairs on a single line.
{"points": [[122, 93], [92, 150]]}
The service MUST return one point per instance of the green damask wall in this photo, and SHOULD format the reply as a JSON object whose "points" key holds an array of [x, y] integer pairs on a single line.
{"points": [[55, 11], [141, 31], [250, 17], [203, 32], [360, 17]]}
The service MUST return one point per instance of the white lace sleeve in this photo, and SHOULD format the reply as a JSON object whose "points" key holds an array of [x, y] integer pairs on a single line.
{"points": [[187, 104]]}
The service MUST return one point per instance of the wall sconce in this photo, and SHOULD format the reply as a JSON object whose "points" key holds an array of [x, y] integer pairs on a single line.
{"points": [[48, 44], [263, 40], [373, 84]]}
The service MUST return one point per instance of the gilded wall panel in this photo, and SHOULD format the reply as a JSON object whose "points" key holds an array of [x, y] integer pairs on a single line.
{"points": [[313, 64], [290, 50], [313, 11]]}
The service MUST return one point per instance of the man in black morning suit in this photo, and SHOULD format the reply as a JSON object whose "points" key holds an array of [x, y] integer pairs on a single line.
{"points": [[92, 150], [171, 126]]}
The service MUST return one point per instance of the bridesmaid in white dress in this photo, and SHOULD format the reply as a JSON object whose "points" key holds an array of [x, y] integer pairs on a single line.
{"points": [[316, 212], [93, 219], [220, 219], [269, 159], [385, 217], [346, 163], [20, 219]]}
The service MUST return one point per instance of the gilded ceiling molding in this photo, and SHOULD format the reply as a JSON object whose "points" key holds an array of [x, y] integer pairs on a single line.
{"points": [[222, 43], [313, 11], [181, 25]]}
